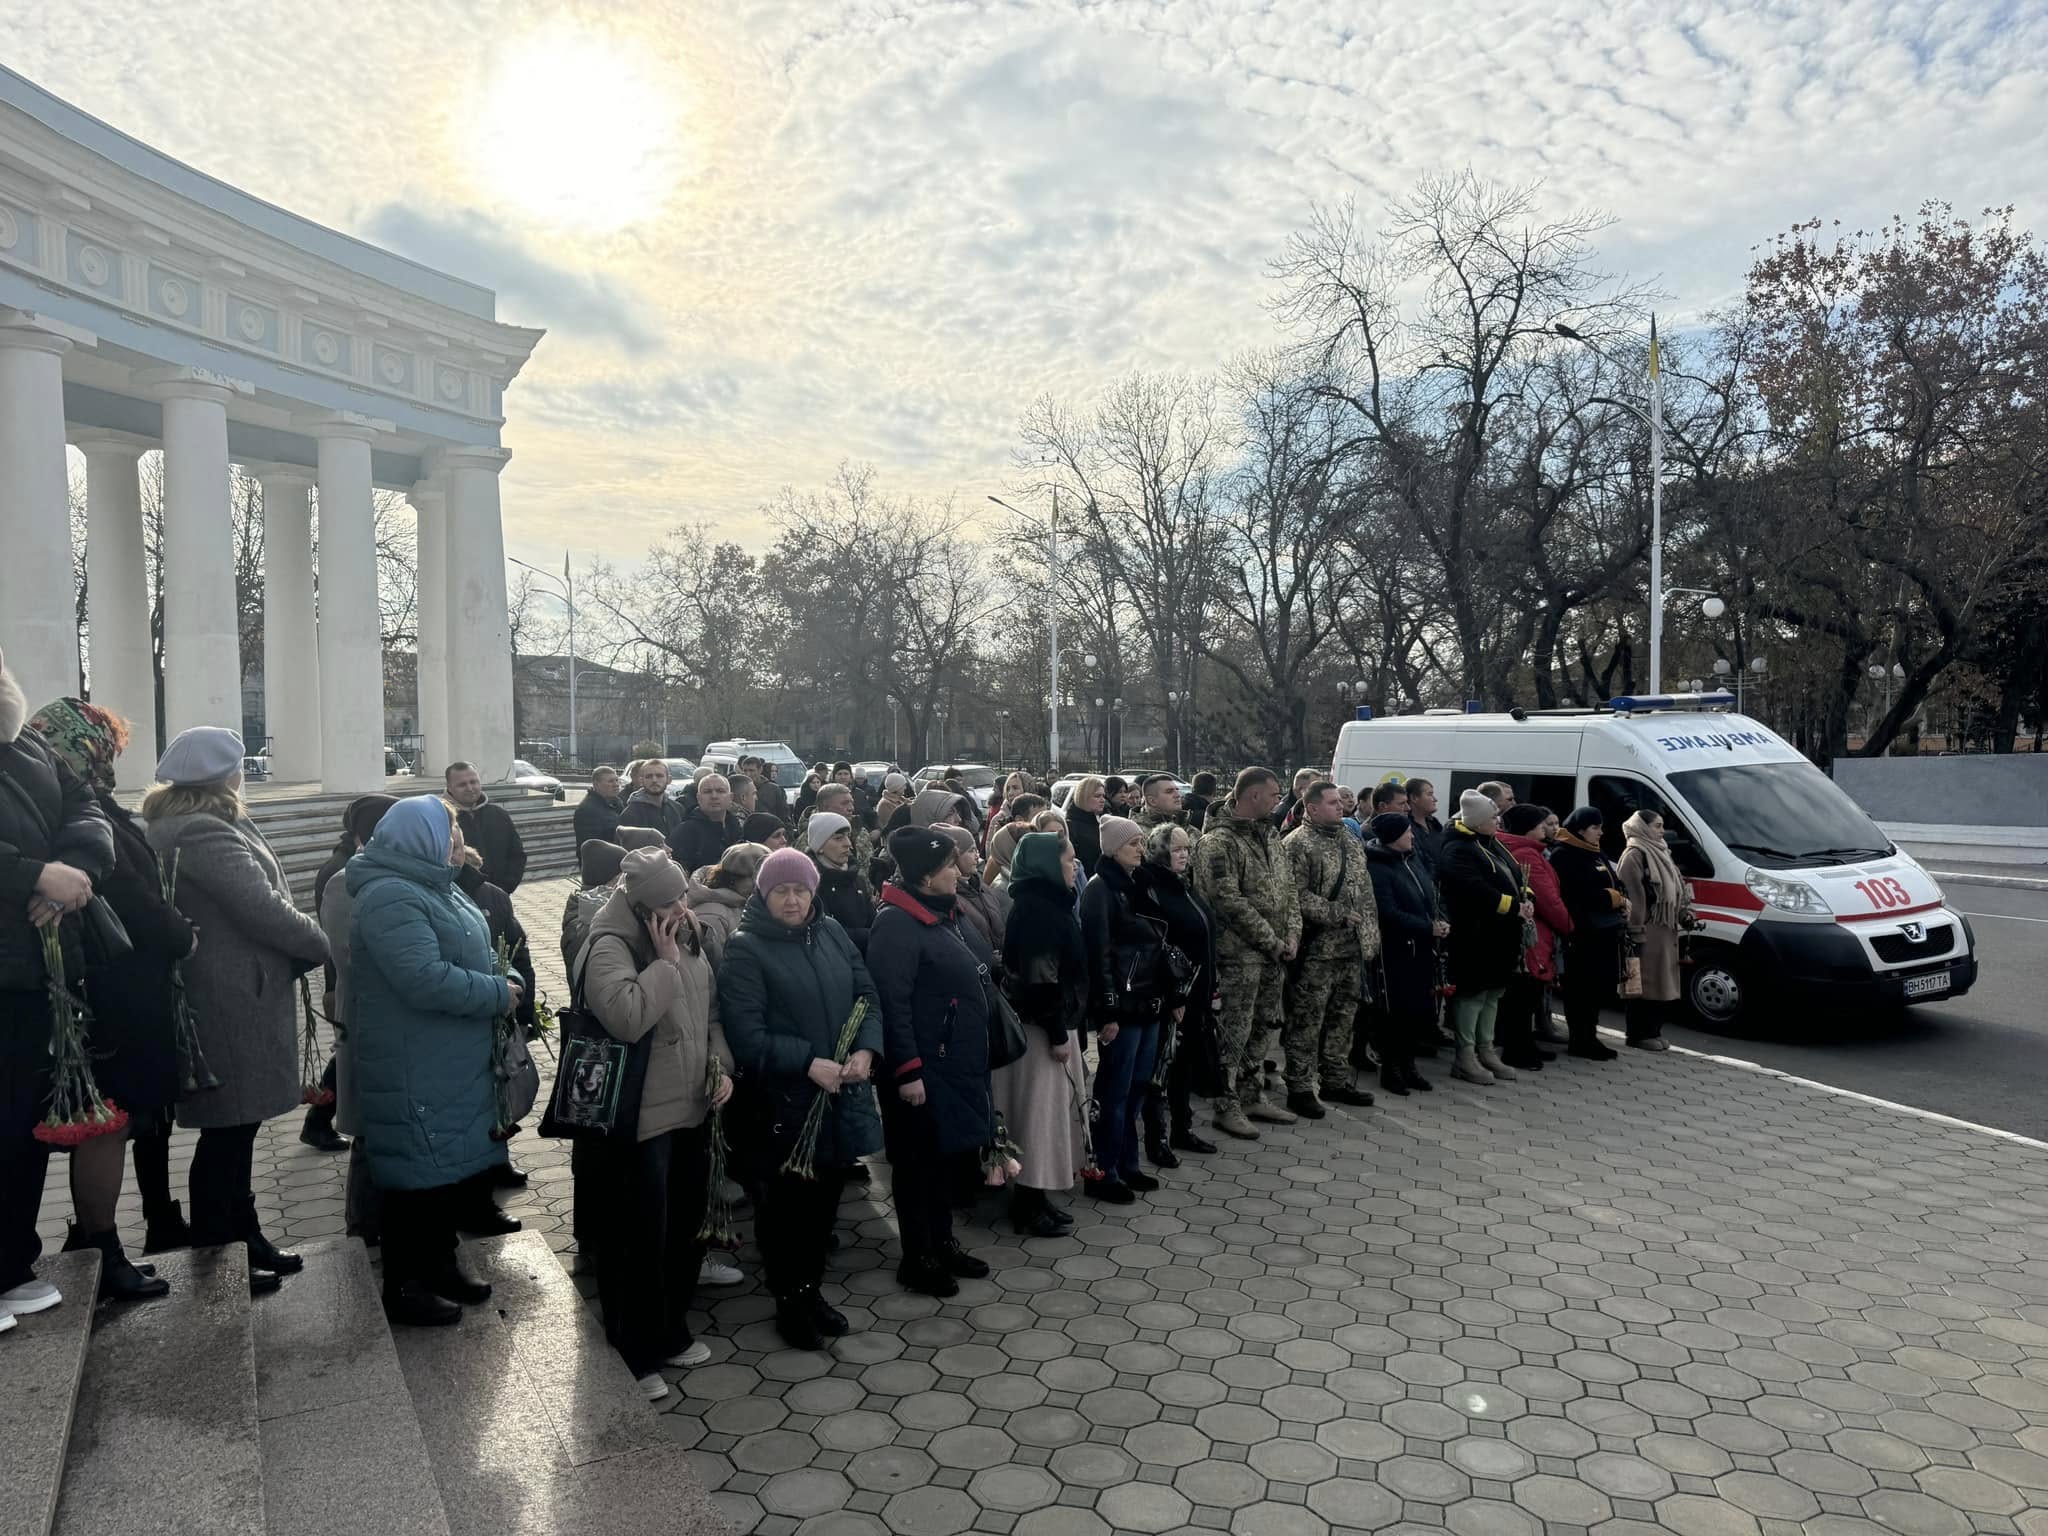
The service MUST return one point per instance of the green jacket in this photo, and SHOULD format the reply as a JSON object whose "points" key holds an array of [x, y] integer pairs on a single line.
{"points": [[1325, 860], [1245, 877]]}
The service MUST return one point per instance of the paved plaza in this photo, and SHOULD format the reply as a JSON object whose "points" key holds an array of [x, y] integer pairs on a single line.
{"points": [[1657, 1295]]}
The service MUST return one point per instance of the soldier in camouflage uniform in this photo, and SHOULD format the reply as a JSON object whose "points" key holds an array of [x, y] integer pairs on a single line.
{"points": [[1243, 874], [1162, 806], [1340, 929]]}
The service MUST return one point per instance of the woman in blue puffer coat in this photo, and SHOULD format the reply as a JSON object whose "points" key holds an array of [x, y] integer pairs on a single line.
{"points": [[423, 994]]}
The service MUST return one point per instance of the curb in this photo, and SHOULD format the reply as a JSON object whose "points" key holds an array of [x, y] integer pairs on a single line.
{"points": [[2002, 882]]}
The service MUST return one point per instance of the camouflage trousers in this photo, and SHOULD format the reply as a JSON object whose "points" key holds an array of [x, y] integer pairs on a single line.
{"points": [[1254, 1001], [1322, 1007]]}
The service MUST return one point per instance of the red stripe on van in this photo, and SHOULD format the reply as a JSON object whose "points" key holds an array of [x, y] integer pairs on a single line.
{"points": [[1730, 894], [1876, 917]]}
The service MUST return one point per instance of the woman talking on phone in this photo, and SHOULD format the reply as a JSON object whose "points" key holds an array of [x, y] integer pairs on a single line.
{"points": [[643, 969]]}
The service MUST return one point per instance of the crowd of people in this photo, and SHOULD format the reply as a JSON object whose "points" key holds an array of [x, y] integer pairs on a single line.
{"points": [[1016, 997]]}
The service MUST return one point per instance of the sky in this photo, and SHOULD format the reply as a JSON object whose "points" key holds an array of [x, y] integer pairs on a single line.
{"points": [[767, 236]]}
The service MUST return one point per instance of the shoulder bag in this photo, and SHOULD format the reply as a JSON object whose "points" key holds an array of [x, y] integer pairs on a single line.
{"points": [[1007, 1041], [598, 1078]]}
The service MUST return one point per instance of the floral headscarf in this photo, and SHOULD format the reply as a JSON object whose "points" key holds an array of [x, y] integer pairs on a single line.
{"points": [[86, 737]]}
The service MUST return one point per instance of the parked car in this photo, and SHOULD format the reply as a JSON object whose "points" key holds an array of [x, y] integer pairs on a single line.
{"points": [[979, 778], [681, 771], [396, 762], [869, 775], [785, 765], [526, 776], [255, 769]]}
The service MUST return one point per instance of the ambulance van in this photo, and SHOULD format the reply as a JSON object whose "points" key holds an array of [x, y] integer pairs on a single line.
{"points": [[1803, 902]]}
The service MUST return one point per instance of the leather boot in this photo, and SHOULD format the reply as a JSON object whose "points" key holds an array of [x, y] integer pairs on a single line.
{"points": [[319, 1133], [411, 1305], [1031, 1214], [119, 1279], [1467, 1068], [1415, 1079], [166, 1230], [1159, 1154], [1230, 1121], [1184, 1139], [1489, 1058], [1391, 1080], [263, 1253], [796, 1319]]}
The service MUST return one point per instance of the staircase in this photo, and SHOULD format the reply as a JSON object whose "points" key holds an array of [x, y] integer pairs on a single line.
{"points": [[300, 1413], [302, 828]]}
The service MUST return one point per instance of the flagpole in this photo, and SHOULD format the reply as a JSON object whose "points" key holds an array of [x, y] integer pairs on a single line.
{"points": [[1656, 515]]}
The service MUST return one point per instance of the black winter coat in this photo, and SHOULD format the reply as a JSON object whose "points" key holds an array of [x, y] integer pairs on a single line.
{"points": [[846, 897], [1125, 937], [1084, 831], [132, 1021], [665, 818], [504, 924], [488, 829], [597, 817], [1044, 966], [931, 968], [1429, 843], [66, 827], [698, 840], [1407, 902], [1593, 951], [1189, 927], [1482, 892]]}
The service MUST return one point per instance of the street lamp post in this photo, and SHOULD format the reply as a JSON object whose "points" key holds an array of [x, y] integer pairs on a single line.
{"points": [[1116, 734], [568, 596], [1174, 699], [1052, 614], [1002, 730]]}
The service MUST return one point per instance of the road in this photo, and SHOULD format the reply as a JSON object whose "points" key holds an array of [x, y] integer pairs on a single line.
{"points": [[1983, 1057]]}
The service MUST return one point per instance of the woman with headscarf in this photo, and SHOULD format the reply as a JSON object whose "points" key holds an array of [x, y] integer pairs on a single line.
{"points": [[1163, 877], [939, 807], [1125, 938], [1659, 910], [1598, 906], [1085, 806], [894, 796], [134, 1033], [425, 992], [983, 906], [1045, 972], [844, 894], [718, 896], [240, 981]]}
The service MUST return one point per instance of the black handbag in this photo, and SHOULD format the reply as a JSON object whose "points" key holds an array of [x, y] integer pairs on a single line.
{"points": [[1006, 1040], [598, 1078], [1202, 1048]]}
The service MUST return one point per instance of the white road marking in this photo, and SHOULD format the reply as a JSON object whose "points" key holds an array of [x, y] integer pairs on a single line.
{"points": [[2010, 917]]}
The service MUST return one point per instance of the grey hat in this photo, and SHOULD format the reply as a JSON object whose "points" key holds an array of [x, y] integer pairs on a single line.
{"points": [[204, 754]]}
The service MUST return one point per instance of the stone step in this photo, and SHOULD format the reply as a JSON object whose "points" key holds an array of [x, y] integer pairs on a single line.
{"points": [[342, 1451], [532, 1423], [45, 1362], [165, 1437]]}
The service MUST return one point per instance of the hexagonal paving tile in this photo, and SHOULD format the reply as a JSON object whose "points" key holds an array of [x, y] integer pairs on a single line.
{"points": [[1144, 1507], [1349, 1501], [1014, 1489]]}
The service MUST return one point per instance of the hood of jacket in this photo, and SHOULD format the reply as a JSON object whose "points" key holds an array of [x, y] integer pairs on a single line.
{"points": [[930, 805], [703, 895]]}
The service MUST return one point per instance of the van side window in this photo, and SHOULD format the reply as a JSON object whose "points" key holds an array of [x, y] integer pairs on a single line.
{"points": [[1619, 798], [1556, 792]]}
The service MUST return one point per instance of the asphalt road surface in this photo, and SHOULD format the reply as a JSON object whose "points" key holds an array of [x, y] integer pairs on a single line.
{"points": [[1983, 1057]]}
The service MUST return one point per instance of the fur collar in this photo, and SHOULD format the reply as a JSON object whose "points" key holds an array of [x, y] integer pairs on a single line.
{"points": [[13, 707]]}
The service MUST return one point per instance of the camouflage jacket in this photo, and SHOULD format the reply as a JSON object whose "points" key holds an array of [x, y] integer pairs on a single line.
{"points": [[1243, 873], [1317, 855], [1148, 819]]}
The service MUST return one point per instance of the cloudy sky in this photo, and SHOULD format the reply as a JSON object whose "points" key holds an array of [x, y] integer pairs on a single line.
{"points": [[769, 235]]}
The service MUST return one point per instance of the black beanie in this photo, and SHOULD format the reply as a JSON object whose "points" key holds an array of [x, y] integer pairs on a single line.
{"points": [[1522, 818], [918, 852], [1388, 827], [1585, 816]]}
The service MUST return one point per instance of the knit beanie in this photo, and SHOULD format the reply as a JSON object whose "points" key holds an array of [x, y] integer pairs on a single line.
{"points": [[1478, 811], [763, 825], [652, 878], [963, 840], [1586, 819], [598, 861], [1388, 827], [1522, 818], [895, 783], [1115, 831], [640, 837], [918, 852], [823, 827], [363, 813], [786, 866]]}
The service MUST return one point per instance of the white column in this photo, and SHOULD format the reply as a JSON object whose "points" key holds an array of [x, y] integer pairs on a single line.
{"points": [[351, 634], [430, 501], [38, 605], [117, 596], [202, 635], [479, 632], [291, 642]]}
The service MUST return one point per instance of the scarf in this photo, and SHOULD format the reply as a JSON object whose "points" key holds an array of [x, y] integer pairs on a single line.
{"points": [[1571, 839], [1669, 886], [84, 737]]}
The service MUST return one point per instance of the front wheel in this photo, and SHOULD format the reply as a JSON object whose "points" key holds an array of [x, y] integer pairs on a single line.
{"points": [[1714, 986]]}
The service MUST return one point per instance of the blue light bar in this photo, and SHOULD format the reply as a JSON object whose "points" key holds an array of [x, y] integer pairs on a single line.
{"points": [[1365, 711], [1646, 703]]}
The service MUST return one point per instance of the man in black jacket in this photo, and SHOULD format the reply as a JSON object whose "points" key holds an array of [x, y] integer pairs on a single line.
{"points": [[54, 844], [598, 813], [1429, 827], [710, 828], [486, 827], [769, 796]]}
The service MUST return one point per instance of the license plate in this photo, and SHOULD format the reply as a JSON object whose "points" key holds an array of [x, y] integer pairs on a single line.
{"points": [[1931, 985]]}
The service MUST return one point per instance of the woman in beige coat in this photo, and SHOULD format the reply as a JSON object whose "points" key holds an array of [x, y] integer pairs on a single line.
{"points": [[1659, 910], [718, 896], [643, 970]]}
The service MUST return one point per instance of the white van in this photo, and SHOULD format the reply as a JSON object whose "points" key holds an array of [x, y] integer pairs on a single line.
{"points": [[784, 766], [1803, 900]]}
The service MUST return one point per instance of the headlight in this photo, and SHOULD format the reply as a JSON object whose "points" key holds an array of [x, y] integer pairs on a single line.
{"points": [[1785, 895]]}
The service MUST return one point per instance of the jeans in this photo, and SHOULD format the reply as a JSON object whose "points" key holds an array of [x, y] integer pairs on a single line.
{"points": [[223, 1209], [1476, 1012], [793, 1221], [1124, 1068], [654, 1194]]}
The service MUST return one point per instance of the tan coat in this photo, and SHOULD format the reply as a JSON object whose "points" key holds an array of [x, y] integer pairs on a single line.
{"points": [[718, 914], [1658, 946], [631, 992]]}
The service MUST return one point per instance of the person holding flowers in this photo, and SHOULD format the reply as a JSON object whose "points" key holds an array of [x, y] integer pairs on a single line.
{"points": [[254, 945], [805, 1023], [134, 1027], [424, 992], [644, 972], [933, 972], [55, 844]]}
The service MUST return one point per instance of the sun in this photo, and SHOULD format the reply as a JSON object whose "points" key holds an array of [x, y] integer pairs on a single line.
{"points": [[574, 129]]}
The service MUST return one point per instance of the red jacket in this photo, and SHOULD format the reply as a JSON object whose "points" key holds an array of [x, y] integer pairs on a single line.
{"points": [[1553, 922]]}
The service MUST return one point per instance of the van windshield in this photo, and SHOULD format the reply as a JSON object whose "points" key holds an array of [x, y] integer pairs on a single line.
{"points": [[1782, 814], [789, 775]]}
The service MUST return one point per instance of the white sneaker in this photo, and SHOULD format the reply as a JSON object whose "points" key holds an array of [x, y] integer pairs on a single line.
{"points": [[696, 1354], [652, 1387], [6, 1321], [30, 1296], [717, 1271]]}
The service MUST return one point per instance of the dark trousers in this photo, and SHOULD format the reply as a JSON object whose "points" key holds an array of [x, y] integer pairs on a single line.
{"points": [[651, 1206], [1394, 1036], [793, 1222], [362, 1200], [1588, 985], [419, 1234], [1515, 1030], [223, 1209], [923, 1178], [1124, 1066], [24, 1161], [1172, 1106], [1645, 1018], [152, 1149]]}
